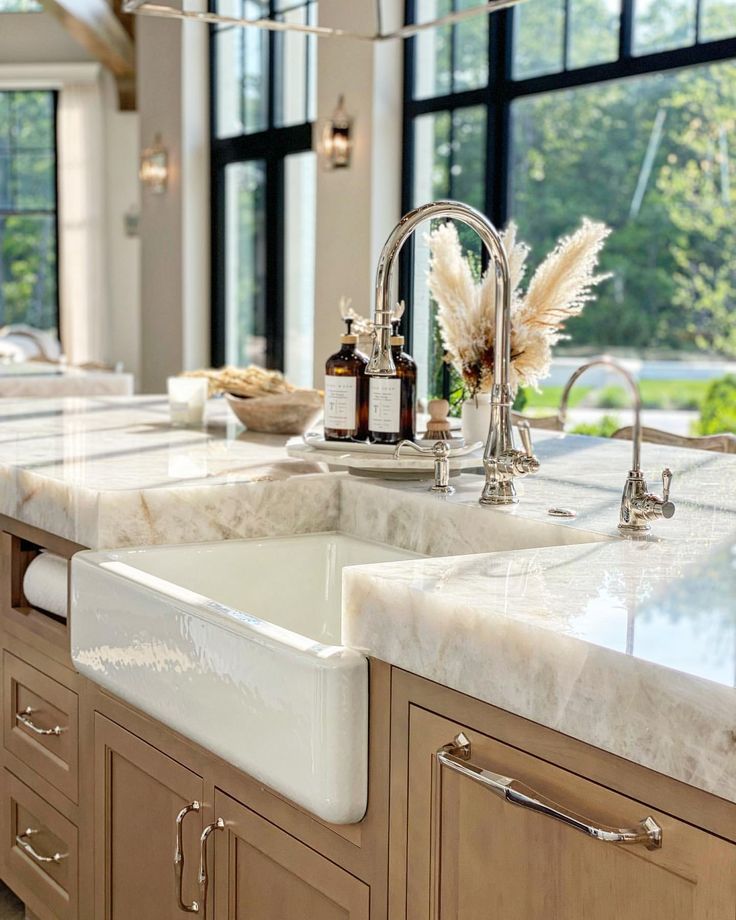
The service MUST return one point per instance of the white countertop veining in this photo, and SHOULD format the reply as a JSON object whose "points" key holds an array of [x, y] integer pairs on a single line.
{"points": [[112, 472], [627, 645]]}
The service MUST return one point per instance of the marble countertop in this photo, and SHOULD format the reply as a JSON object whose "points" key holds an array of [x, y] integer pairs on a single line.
{"points": [[109, 472], [629, 645], [625, 644]]}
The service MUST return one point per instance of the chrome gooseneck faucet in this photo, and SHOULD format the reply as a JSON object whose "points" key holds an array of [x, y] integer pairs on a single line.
{"points": [[638, 505], [502, 462]]}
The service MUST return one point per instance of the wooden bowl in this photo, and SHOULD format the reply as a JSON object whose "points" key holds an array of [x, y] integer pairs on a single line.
{"points": [[284, 413]]}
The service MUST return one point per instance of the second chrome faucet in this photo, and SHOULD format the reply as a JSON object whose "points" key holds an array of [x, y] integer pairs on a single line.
{"points": [[502, 461]]}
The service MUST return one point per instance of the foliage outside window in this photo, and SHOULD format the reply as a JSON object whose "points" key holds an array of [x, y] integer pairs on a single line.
{"points": [[28, 230], [560, 109]]}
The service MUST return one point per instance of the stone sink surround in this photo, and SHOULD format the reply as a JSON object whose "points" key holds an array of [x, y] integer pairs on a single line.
{"points": [[629, 645]]}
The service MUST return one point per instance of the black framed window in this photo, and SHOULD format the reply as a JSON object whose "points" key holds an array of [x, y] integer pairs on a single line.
{"points": [[620, 110], [263, 188], [28, 217]]}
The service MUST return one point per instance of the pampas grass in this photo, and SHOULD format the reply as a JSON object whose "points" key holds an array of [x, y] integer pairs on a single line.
{"points": [[466, 314]]}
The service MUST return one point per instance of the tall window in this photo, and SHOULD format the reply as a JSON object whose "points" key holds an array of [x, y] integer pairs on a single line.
{"points": [[28, 230], [263, 183], [619, 110]]}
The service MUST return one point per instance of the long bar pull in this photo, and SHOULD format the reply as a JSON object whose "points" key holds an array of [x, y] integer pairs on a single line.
{"points": [[24, 719], [456, 756], [203, 877], [23, 843], [192, 908]]}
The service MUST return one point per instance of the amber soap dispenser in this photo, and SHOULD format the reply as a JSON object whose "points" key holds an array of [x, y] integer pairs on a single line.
{"points": [[346, 391], [392, 400]]}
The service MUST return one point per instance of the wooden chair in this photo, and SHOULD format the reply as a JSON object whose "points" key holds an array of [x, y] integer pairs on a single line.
{"points": [[723, 443]]}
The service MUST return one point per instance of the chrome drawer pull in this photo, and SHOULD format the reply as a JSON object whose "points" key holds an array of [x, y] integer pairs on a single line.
{"points": [[456, 756], [192, 908], [24, 719], [203, 877], [25, 845]]}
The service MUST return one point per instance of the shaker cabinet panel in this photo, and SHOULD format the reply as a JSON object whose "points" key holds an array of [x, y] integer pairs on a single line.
{"points": [[471, 854], [139, 792], [263, 873]]}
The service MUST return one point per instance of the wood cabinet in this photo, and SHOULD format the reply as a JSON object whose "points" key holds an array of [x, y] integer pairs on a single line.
{"points": [[464, 852], [139, 792], [262, 872]]}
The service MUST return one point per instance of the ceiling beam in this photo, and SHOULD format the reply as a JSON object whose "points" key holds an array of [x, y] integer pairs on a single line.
{"points": [[96, 27]]}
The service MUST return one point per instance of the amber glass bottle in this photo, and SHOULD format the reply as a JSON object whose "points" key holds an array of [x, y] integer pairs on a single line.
{"points": [[346, 392], [393, 400]]}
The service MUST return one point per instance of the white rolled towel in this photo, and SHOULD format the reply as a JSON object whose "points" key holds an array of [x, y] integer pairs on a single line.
{"points": [[46, 583]]}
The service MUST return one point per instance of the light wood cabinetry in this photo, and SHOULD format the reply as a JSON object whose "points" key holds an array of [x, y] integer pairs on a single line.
{"points": [[262, 872], [39, 852], [461, 851], [139, 792], [469, 850], [104, 793]]}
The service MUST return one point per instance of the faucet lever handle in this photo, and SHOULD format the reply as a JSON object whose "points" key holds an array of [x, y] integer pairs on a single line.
{"points": [[525, 433], [666, 484]]}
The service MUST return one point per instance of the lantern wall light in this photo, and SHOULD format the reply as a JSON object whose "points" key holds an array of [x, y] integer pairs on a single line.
{"points": [[154, 167]]}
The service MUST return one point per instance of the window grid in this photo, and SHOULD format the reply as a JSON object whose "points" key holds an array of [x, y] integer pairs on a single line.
{"points": [[502, 90], [271, 145], [11, 204]]}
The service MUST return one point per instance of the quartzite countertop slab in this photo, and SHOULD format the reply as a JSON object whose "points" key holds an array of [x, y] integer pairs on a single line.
{"points": [[627, 645]]}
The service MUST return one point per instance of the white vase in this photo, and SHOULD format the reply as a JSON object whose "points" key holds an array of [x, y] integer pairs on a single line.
{"points": [[476, 418]]}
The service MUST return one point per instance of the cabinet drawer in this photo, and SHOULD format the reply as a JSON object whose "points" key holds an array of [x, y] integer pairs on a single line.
{"points": [[39, 852], [471, 852], [40, 723]]}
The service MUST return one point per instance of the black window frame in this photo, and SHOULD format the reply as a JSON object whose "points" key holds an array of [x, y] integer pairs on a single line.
{"points": [[44, 212], [271, 145], [502, 90]]}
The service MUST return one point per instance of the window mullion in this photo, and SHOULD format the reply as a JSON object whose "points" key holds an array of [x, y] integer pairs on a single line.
{"points": [[626, 30]]}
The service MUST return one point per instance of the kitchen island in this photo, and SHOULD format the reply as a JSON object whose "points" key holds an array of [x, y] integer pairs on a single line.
{"points": [[596, 669]]}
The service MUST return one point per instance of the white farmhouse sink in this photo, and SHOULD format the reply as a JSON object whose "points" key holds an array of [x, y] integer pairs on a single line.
{"points": [[237, 646]]}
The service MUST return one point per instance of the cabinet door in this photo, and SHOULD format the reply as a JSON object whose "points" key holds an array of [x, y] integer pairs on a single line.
{"points": [[471, 854], [138, 794], [263, 873]]}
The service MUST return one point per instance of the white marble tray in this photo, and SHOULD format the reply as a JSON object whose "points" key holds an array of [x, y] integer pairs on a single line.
{"points": [[377, 462]]}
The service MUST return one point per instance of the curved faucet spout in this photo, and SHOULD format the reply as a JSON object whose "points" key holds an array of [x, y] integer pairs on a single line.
{"points": [[631, 383], [502, 462], [638, 505]]}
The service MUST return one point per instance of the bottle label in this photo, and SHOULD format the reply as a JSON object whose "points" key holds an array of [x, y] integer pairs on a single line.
{"points": [[385, 404], [340, 402]]}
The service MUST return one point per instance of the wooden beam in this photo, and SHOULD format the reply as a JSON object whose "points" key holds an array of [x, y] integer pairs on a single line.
{"points": [[95, 26]]}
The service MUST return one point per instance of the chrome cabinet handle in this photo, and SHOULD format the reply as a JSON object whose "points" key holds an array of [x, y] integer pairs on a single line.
{"points": [[456, 756], [203, 877], [192, 908], [24, 719], [34, 854]]}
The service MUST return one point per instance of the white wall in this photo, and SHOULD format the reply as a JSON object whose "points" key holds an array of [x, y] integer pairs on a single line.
{"points": [[37, 38], [123, 251], [172, 102], [356, 207]]}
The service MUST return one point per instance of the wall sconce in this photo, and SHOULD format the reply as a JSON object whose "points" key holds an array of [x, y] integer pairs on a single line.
{"points": [[337, 145], [154, 168]]}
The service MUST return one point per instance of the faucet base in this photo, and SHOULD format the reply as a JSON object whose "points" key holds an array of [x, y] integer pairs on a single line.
{"points": [[633, 529], [499, 492]]}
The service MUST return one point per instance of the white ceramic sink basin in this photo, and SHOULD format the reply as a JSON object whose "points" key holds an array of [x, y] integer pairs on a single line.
{"points": [[237, 646]]}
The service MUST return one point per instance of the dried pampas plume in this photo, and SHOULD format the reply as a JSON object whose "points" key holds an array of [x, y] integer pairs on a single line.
{"points": [[466, 314]]}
